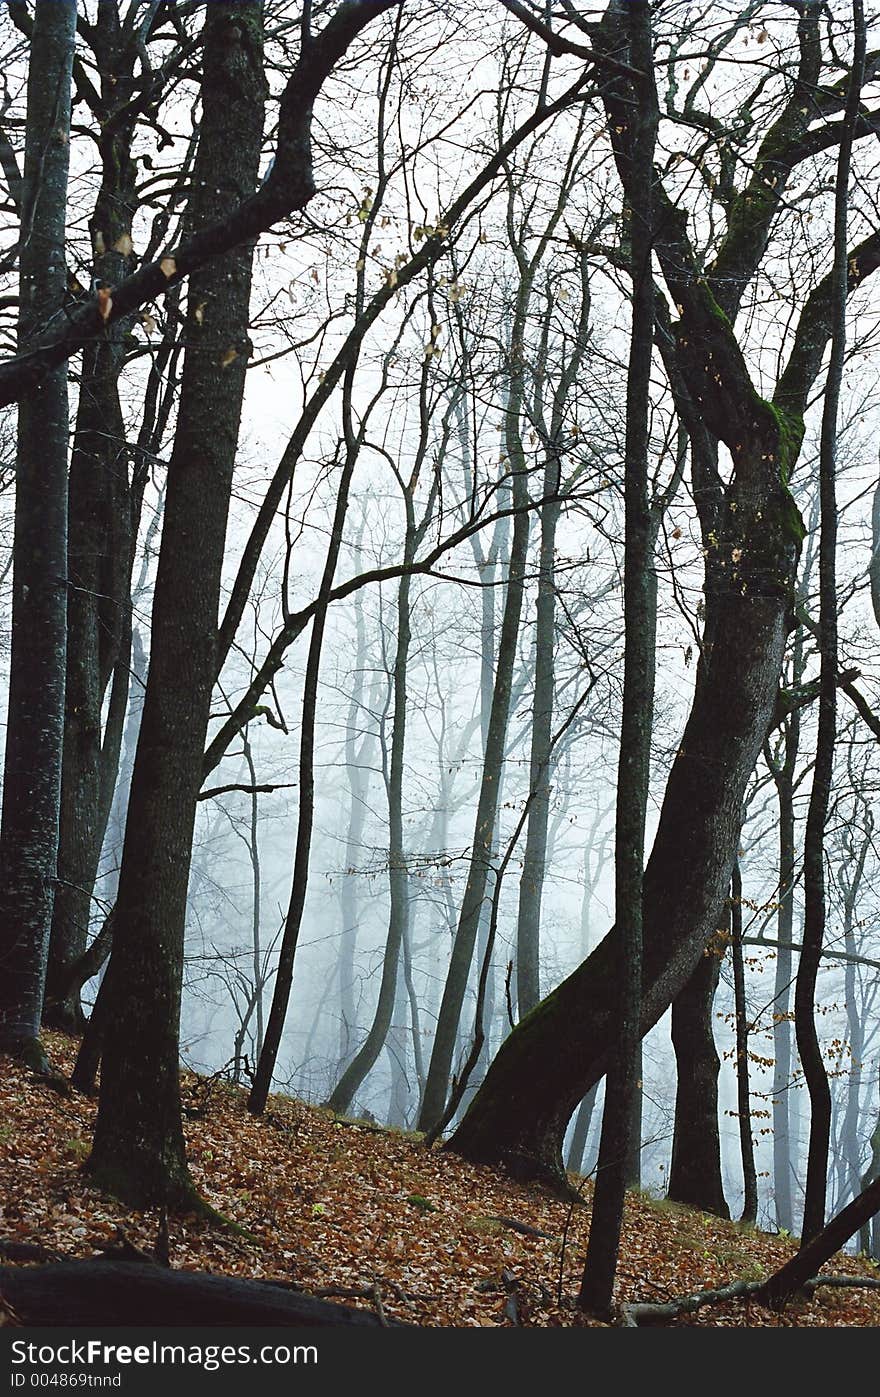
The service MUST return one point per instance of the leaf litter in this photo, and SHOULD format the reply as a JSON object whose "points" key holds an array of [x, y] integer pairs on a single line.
{"points": [[370, 1217]]}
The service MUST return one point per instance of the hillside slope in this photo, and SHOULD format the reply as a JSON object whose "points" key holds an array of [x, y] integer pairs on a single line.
{"points": [[347, 1211]]}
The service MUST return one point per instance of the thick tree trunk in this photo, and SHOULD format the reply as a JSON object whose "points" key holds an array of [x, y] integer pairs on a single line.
{"points": [[557, 1052], [138, 1150], [695, 1173], [35, 723], [136, 1294]]}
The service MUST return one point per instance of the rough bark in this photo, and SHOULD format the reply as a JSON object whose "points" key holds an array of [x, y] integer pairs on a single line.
{"points": [[100, 532], [35, 722], [113, 1293], [138, 1149], [695, 1172]]}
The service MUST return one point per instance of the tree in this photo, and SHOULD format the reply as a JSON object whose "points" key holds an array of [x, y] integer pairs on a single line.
{"points": [[35, 724], [814, 840], [138, 1150], [633, 23], [752, 533]]}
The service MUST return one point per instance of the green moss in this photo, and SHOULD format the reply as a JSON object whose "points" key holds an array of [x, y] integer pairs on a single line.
{"points": [[32, 1053], [783, 514], [790, 434], [423, 1204], [713, 307]]}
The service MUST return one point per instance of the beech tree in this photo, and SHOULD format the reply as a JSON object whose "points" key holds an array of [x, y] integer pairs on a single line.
{"points": [[751, 533]]}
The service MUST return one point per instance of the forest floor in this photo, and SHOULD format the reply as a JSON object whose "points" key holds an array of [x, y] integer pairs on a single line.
{"points": [[370, 1217]]}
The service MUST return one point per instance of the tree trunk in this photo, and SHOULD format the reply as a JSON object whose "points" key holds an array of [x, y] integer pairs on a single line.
{"points": [[621, 1116], [35, 722], [138, 1150], [695, 1173], [809, 1048], [581, 1131], [531, 884], [100, 535], [439, 1070], [743, 1095], [138, 1295], [398, 918], [869, 1229], [556, 1053], [782, 1042], [550, 1061]]}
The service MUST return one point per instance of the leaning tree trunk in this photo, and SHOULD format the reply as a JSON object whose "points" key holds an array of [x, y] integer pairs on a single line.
{"points": [[549, 1062], [35, 723], [557, 1052], [695, 1172], [138, 1151]]}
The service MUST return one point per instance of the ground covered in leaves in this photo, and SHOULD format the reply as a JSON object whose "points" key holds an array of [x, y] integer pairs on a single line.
{"points": [[370, 1217]]}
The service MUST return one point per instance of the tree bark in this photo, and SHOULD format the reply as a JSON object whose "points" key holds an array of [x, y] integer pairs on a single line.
{"points": [[809, 1047], [695, 1172], [136, 1294], [621, 1116], [138, 1149], [35, 722], [101, 530]]}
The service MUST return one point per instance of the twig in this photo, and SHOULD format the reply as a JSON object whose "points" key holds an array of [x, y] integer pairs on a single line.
{"points": [[380, 1308]]}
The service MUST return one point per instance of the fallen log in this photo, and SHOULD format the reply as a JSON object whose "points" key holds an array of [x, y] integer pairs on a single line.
{"points": [[131, 1293]]}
